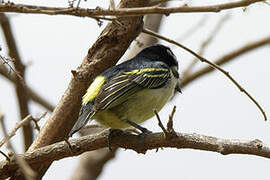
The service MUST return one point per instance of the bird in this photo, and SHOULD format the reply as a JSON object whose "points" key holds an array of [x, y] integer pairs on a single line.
{"points": [[125, 95]]}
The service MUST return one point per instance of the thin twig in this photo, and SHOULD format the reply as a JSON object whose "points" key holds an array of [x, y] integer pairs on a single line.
{"points": [[227, 58], [170, 122], [26, 169], [95, 13], [19, 67], [202, 59], [18, 125], [160, 124], [205, 43], [193, 29], [112, 5], [30, 92], [6, 156], [6, 62]]}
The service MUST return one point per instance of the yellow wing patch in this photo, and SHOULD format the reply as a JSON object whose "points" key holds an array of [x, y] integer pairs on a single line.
{"points": [[93, 90], [141, 71]]}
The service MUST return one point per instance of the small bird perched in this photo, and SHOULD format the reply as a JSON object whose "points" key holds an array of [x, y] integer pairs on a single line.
{"points": [[126, 94]]}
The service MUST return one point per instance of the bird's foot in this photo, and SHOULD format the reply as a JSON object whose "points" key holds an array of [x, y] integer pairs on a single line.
{"points": [[142, 135], [113, 133]]}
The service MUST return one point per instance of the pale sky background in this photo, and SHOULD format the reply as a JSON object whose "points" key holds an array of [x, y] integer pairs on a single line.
{"points": [[52, 46]]}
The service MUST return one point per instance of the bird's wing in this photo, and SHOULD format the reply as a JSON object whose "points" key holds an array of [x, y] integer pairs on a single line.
{"points": [[119, 88]]}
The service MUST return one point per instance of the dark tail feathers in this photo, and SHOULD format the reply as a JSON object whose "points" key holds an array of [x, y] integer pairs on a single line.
{"points": [[85, 114]]}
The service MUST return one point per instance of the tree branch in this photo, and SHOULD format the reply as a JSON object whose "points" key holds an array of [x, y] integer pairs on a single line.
{"points": [[213, 65], [226, 58], [104, 53], [19, 80], [132, 11], [205, 43], [92, 163], [20, 124], [129, 141], [30, 92], [28, 173]]}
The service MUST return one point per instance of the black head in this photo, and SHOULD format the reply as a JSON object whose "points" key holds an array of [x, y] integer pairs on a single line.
{"points": [[161, 53]]}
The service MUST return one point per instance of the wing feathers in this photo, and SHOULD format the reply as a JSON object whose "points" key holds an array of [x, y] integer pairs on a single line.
{"points": [[119, 88]]}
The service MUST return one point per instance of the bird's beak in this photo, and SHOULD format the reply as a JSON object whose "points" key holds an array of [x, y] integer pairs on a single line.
{"points": [[175, 72], [178, 88]]}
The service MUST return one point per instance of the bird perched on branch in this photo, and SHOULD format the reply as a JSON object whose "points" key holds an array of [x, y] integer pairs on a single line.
{"points": [[126, 94]]}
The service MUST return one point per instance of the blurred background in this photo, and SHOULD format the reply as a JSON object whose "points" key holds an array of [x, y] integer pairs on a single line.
{"points": [[51, 46]]}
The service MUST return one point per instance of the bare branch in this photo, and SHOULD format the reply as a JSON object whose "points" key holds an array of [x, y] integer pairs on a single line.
{"points": [[19, 82], [100, 157], [98, 12], [193, 29], [6, 156], [151, 21], [129, 141], [170, 121], [22, 164], [227, 58], [213, 65], [160, 124], [104, 53], [30, 92], [205, 43], [92, 163], [20, 124], [6, 61]]}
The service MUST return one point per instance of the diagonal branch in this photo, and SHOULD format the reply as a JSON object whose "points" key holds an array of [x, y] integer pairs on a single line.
{"points": [[20, 124], [25, 168], [205, 43], [132, 11], [124, 140], [213, 65], [227, 58], [19, 80], [30, 92]]}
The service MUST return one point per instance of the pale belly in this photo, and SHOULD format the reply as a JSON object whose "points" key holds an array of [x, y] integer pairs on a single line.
{"points": [[141, 108]]}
